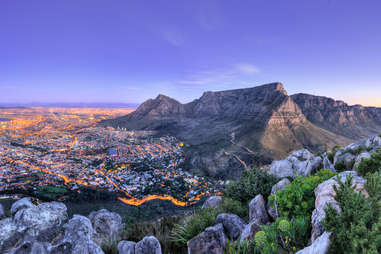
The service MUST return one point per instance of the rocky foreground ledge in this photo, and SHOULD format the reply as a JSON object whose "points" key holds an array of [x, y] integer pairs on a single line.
{"points": [[46, 229]]}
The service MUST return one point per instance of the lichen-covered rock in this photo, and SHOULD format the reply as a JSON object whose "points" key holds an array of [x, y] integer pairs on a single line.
{"points": [[211, 241], [325, 194], [212, 202], [21, 204], [43, 222], [8, 234], [126, 247], [257, 210], [299, 163], [106, 224], [148, 245], [319, 246], [233, 225], [250, 230]]}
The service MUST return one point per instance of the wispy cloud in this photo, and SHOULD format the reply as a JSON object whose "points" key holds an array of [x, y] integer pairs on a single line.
{"points": [[235, 73], [172, 35]]}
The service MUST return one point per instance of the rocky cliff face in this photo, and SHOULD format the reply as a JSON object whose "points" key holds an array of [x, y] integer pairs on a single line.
{"points": [[256, 124]]}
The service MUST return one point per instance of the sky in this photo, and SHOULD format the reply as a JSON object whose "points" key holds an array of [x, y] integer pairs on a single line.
{"points": [[131, 50]]}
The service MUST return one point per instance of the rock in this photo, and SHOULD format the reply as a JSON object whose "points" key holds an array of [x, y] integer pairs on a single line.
{"points": [[8, 234], [363, 155], [299, 163], [346, 157], [250, 230], [271, 211], [126, 247], [77, 238], [149, 245], [211, 241], [2, 213], [233, 225], [21, 204], [319, 246], [257, 210], [327, 164], [106, 224], [42, 222], [373, 143], [280, 185], [31, 247], [212, 202], [325, 194]]}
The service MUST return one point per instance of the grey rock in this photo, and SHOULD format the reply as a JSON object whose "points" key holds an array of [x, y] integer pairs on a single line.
{"points": [[250, 230], [2, 213], [126, 247], [319, 246], [257, 210], [280, 185], [31, 247], [363, 155], [212, 202], [8, 234], [21, 204], [299, 163], [346, 157], [106, 224], [325, 194], [148, 245], [373, 142], [233, 225], [211, 241], [327, 164], [271, 211], [42, 222]]}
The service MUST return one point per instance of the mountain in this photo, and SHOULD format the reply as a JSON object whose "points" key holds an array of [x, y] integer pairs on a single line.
{"points": [[252, 125]]}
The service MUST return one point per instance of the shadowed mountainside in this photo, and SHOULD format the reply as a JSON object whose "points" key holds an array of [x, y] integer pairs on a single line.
{"points": [[255, 125]]}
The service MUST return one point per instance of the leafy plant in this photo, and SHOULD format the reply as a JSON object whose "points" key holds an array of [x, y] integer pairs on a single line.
{"points": [[331, 155], [357, 228], [371, 165], [237, 247], [250, 184], [229, 205]]}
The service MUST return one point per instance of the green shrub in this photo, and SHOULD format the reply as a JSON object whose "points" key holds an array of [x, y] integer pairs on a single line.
{"points": [[250, 184], [357, 228], [194, 225], [229, 205], [371, 165], [238, 247], [298, 198], [108, 246], [331, 155]]}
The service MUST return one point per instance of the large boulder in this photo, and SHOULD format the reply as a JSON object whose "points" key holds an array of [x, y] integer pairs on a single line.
{"points": [[363, 155], [257, 210], [77, 238], [233, 225], [2, 213], [250, 230], [29, 246], [148, 245], [277, 187], [373, 143], [319, 246], [346, 157], [212, 202], [21, 204], [299, 163], [327, 164], [325, 194], [106, 224], [42, 222], [126, 247], [211, 241], [9, 235]]}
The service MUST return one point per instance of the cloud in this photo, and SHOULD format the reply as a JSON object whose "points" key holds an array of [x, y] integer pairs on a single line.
{"points": [[172, 36], [247, 68]]}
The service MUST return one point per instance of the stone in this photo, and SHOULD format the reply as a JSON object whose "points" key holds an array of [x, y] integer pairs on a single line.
{"points": [[299, 163], [257, 210], [250, 230], [8, 234], [373, 143], [106, 224], [233, 225], [31, 247], [211, 241], [2, 213], [148, 245], [280, 185], [126, 247], [325, 194], [42, 222], [21, 204], [319, 246], [346, 157], [363, 155], [327, 164], [212, 202]]}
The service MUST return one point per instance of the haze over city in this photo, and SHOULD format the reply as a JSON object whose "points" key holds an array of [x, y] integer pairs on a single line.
{"points": [[129, 51]]}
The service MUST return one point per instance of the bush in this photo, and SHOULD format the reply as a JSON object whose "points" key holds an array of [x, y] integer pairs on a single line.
{"points": [[250, 184], [194, 225], [229, 205], [331, 155], [357, 228], [108, 246], [298, 198], [238, 247], [371, 165]]}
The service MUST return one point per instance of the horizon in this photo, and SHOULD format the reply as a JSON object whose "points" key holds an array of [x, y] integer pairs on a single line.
{"points": [[55, 52]]}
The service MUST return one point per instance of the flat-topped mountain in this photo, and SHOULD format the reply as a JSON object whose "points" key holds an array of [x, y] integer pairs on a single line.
{"points": [[224, 130]]}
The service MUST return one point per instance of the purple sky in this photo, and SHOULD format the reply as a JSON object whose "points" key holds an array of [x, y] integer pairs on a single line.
{"points": [[128, 51]]}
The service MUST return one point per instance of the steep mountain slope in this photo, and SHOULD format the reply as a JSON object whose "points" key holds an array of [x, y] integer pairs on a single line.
{"points": [[254, 125]]}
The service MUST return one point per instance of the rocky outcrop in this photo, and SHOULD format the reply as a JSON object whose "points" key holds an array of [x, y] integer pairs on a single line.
{"points": [[148, 245], [2, 212], [277, 187], [299, 163], [257, 210], [233, 225], [250, 230], [106, 225], [9, 235], [126, 247], [319, 246], [212, 202], [211, 241], [21, 204], [325, 194]]}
